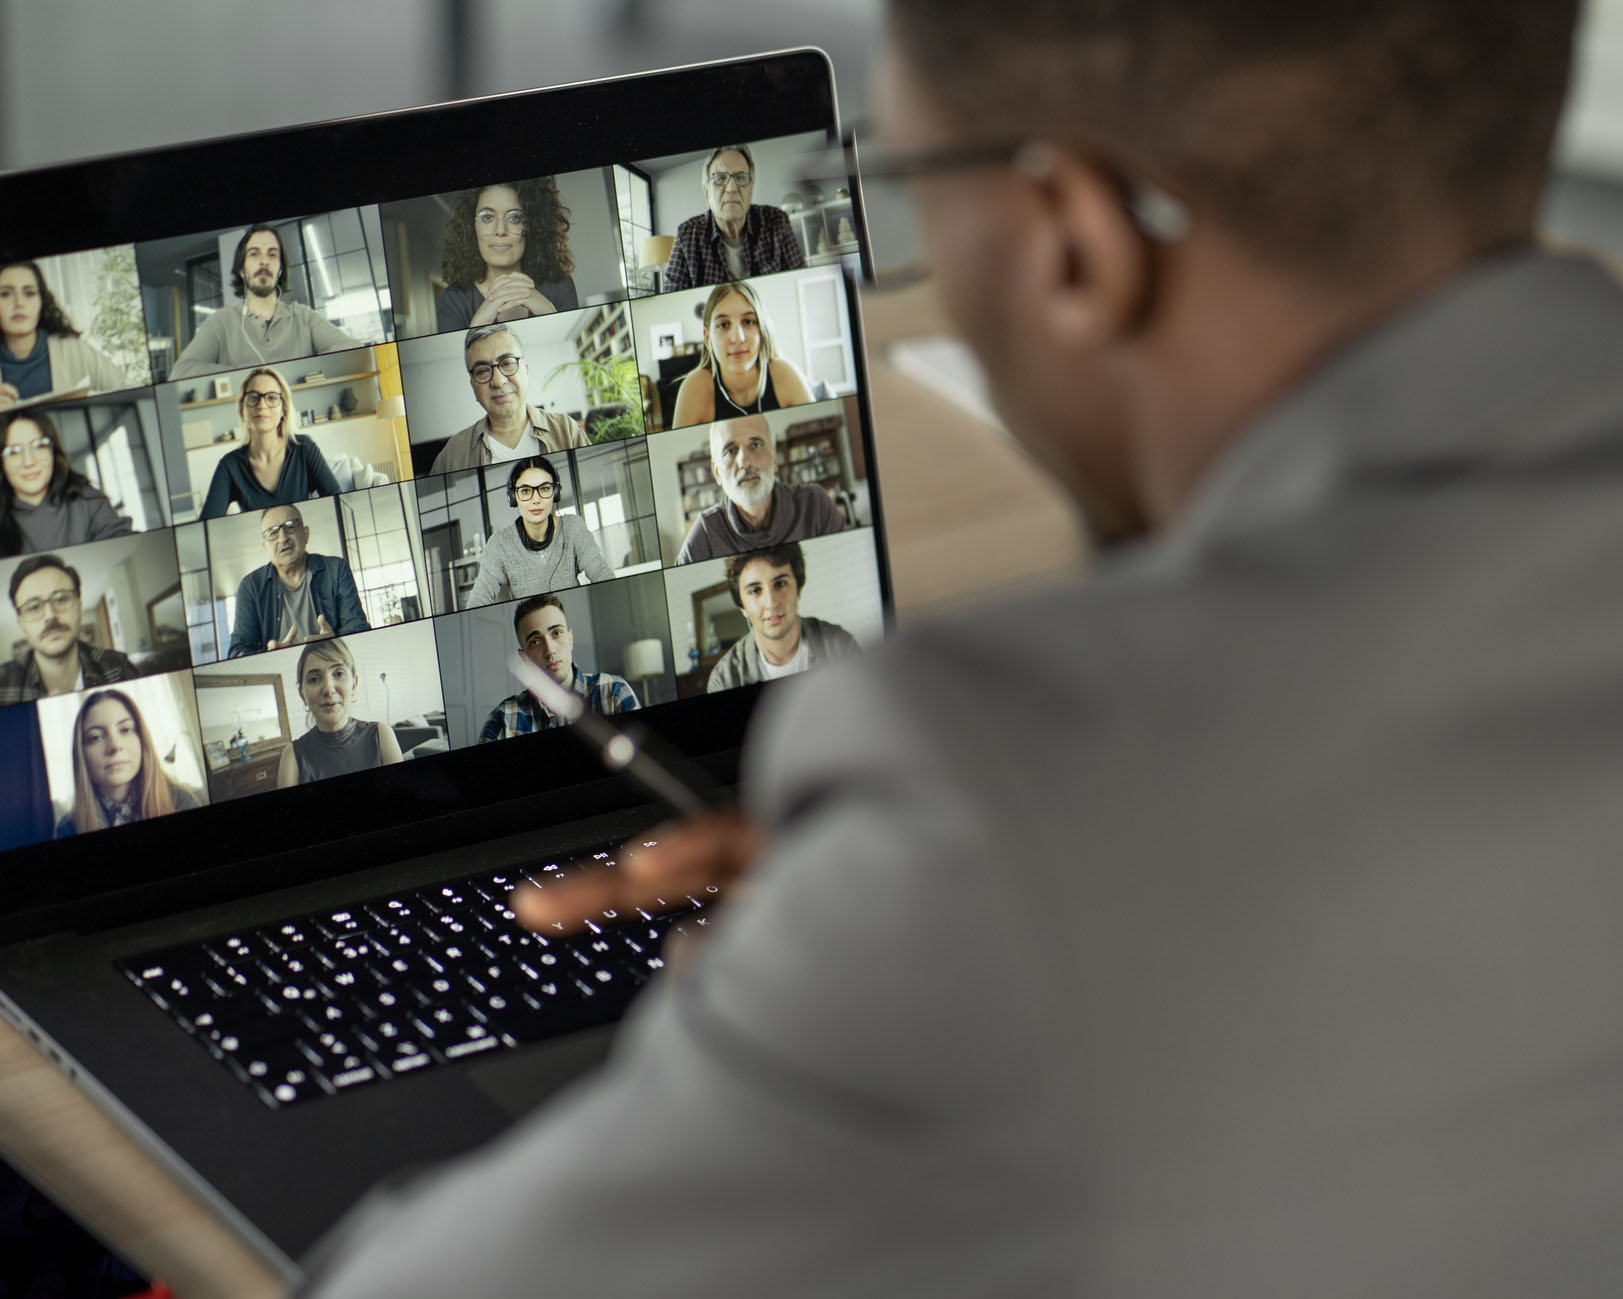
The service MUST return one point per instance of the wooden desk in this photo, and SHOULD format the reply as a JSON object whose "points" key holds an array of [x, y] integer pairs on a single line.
{"points": [[968, 516]]}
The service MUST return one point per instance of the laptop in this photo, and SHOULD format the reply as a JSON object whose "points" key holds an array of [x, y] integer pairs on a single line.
{"points": [[311, 431]]}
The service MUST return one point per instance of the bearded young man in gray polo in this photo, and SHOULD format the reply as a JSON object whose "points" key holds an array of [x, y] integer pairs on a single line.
{"points": [[1240, 920], [268, 326]]}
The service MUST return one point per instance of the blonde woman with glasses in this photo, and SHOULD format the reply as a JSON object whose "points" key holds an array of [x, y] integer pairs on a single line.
{"points": [[275, 466]]}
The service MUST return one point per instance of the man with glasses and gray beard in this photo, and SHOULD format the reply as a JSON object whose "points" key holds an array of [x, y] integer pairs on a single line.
{"points": [[510, 428], [759, 512]]}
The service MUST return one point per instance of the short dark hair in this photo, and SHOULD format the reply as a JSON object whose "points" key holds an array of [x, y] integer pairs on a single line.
{"points": [[1311, 133], [776, 556], [531, 462], [34, 564], [532, 605], [238, 284]]}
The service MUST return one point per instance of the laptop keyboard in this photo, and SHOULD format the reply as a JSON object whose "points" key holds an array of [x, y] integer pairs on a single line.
{"points": [[400, 983]]}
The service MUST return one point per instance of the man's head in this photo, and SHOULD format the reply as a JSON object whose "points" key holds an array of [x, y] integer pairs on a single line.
{"points": [[729, 183], [544, 636], [46, 595], [1335, 160], [743, 460], [496, 369], [1304, 130], [283, 534], [766, 585], [260, 264]]}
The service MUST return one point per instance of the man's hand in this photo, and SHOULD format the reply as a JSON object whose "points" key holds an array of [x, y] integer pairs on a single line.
{"points": [[293, 637], [687, 857], [323, 627], [9, 395]]}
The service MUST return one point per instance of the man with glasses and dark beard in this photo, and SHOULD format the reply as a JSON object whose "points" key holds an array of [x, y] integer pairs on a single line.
{"points": [[45, 592], [1239, 919], [268, 326], [759, 512], [735, 237], [511, 428]]}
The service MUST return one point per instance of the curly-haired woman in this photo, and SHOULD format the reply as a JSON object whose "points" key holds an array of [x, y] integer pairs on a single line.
{"points": [[506, 256]]}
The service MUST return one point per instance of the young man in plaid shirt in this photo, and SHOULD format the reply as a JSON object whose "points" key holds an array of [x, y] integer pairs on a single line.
{"points": [[545, 639]]}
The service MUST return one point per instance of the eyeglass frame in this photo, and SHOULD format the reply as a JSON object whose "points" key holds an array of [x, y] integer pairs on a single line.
{"points": [[16, 450], [720, 185], [529, 491], [288, 526], [490, 367], [253, 398], [60, 601], [1157, 212], [512, 217]]}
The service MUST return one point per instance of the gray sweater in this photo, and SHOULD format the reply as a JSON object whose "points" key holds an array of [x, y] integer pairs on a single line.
{"points": [[76, 519], [741, 664], [508, 562], [799, 510], [232, 338]]}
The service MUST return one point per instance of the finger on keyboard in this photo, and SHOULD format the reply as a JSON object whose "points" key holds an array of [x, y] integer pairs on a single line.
{"points": [[683, 864]]}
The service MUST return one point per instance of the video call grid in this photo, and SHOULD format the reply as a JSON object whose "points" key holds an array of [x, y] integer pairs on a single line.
{"points": [[634, 346]]}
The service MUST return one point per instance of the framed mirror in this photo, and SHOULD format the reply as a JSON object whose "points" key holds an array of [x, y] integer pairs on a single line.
{"points": [[717, 621], [252, 704]]}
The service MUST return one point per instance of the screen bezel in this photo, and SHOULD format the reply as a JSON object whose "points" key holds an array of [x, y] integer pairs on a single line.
{"points": [[247, 845]]}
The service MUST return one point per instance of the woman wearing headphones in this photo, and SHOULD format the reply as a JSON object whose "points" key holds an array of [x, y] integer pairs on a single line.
{"points": [[542, 551]]}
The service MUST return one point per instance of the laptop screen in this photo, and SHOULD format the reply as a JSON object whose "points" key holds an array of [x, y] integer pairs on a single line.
{"points": [[305, 434]]}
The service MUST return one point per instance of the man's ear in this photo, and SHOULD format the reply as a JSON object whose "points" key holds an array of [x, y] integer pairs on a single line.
{"points": [[1092, 263]]}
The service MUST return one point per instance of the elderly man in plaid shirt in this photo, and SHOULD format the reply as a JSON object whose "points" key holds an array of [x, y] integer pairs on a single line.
{"points": [[736, 238], [545, 639]]}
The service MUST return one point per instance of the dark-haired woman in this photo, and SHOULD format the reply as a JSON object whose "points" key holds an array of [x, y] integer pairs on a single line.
{"points": [[45, 503], [542, 550], [506, 256], [118, 777], [40, 350]]}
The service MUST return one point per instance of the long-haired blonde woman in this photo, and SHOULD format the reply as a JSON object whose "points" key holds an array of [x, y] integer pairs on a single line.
{"points": [[118, 777], [742, 373], [275, 466], [336, 743]]}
